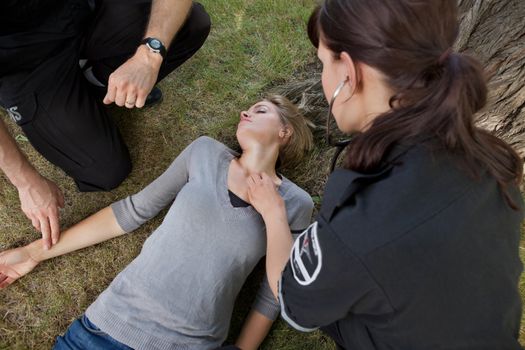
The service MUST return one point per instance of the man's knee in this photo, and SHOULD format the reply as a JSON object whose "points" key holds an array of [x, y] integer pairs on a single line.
{"points": [[104, 175], [199, 24]]}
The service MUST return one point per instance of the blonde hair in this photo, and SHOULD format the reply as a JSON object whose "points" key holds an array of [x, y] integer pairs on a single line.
{"points": [[301, 139]]}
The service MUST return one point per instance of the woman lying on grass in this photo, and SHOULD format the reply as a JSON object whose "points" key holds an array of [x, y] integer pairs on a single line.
{"points": [[180, 290]]}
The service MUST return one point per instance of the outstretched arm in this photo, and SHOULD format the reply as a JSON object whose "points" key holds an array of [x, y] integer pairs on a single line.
{"points": [[39, 197], [103, 225], [133, 81], [99, 227]]}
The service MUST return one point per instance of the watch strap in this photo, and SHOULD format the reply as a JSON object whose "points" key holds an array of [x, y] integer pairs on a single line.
{"points": [[161, 50]]}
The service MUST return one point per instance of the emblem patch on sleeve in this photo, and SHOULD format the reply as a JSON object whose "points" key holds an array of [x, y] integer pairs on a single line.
{"points": [[16, 116], [306, 258]]}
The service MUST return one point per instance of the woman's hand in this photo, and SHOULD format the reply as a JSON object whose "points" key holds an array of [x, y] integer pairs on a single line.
{"points": [[15, 263], [263, 195]]}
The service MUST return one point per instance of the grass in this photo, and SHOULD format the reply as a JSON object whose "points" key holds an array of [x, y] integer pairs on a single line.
{"points": [[254, 45]]}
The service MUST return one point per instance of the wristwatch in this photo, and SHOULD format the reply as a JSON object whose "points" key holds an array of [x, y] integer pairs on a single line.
{"points": [[155, 45]]}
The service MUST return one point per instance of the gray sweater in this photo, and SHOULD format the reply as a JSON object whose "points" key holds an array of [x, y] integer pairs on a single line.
{"points": [[180, 290]]}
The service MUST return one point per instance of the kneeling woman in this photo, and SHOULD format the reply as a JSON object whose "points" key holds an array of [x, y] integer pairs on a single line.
{"points": [[180, 290]]}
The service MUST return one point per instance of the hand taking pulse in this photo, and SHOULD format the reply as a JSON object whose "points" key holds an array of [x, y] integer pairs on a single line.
{"points": [[40, 200], [263, 195], [131, 83]]}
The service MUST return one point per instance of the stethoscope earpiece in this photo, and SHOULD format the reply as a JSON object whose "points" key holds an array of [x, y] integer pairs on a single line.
{"points": [[340, 145]]}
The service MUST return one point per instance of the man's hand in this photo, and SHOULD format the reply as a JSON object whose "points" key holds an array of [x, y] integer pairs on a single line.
{"points": [[40, 200], [131, 83], [15, 263]]}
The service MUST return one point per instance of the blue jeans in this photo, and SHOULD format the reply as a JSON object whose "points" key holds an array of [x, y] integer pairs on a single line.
{"points": [[82, 334]]}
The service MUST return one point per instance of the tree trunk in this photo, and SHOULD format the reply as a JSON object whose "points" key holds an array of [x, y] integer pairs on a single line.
{"points": [[494, 32]]}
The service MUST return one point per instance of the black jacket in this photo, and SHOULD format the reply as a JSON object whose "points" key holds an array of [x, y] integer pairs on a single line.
{"points": [[31, 31], [415, 256]]}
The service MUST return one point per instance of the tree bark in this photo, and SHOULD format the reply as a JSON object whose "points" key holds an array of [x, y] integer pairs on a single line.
{"points": [[494, 32]]}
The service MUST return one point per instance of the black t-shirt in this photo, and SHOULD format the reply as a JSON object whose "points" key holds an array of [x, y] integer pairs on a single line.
{"points": [[21, 15], [237, 201], [416, 256], [33, 31]]}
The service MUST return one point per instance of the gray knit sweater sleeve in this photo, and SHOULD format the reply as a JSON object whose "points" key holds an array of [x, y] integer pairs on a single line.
{"points": [[135, 210], [300, 214]]}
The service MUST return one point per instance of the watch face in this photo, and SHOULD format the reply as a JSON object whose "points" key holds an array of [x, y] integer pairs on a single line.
{"points": [[155, 44]]}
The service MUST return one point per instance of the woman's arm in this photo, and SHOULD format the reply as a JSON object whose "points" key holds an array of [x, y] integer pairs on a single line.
{"points": [[99, 227], [278, 246], [266, 200], [135, 210], [254, 330]]}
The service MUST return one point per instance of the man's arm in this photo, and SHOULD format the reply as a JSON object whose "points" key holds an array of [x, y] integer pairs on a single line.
{"points": [[131, 83], [167, 17], [39, 197]]}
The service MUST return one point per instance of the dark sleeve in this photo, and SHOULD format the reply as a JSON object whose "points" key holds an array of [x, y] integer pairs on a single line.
{"points": [[324, 282]]}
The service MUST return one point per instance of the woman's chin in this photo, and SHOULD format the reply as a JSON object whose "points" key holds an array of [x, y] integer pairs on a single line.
{"points": [[243, 133]]}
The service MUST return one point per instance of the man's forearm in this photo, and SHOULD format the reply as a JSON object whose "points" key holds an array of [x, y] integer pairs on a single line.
{"points": [[13, 162], [131, 83], [167, 17]]}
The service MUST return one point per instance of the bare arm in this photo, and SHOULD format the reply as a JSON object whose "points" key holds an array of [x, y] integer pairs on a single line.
{"points": [[254, 330], [14, 164], [99, 227], [167, 17], [267, 201], [133, 81], [278, 246], [39, 197], [94, 229]]}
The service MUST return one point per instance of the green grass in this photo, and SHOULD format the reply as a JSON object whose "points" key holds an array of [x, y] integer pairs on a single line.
{"points": [[254, 45]]}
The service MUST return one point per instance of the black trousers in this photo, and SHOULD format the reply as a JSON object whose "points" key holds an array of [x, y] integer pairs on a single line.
{"points": [[333, 331], [44, 90]]}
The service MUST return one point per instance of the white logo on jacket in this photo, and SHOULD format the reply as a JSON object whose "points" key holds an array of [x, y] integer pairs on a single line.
{"points": [[306, 258], [16, 116]]}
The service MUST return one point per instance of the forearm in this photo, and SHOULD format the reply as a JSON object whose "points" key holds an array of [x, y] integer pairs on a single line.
{"points": [[278, 247], [97, 228], [254, 330], [167, 17], [13, 162]]}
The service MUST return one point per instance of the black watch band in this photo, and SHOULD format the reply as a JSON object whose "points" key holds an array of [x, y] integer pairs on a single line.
{"points": [[155, 45]]}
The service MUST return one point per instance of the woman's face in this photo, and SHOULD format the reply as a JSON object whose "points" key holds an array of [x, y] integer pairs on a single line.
{"points": [[261, 123]]}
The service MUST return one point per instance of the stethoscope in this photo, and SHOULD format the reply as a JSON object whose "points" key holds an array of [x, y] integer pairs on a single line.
{"points": [[341, 144]]}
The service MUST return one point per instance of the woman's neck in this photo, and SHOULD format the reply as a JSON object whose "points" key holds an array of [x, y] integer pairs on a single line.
{"points": [[252, 161], [257, 160]]}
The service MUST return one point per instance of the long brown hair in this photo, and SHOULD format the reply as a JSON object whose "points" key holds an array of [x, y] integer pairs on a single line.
{"points": [[437, 91], [301, 139]]}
